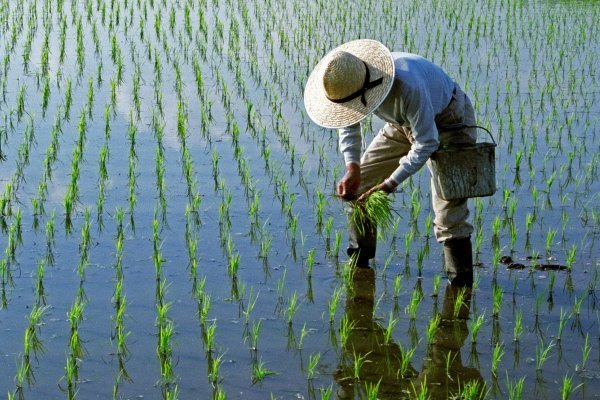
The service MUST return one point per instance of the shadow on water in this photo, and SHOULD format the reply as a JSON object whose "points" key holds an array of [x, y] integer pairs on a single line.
{"points": [[443, 374]]}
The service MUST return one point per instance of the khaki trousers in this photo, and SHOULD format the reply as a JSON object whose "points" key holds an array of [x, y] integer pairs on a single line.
{"points": [[393, 142]]}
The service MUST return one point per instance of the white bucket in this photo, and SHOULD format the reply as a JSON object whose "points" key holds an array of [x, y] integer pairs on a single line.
{"points": [[464, 171]]}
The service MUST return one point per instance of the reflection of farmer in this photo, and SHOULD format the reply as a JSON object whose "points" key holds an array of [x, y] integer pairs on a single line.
{"points": [[443, 370], [420, 103], [381, 361]]}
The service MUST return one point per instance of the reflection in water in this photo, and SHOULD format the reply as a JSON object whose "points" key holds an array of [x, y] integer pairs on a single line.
{"points": [[366, 359]]}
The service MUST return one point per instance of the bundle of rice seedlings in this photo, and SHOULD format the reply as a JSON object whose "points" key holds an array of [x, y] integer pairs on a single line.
{"points": [[373, 211]]}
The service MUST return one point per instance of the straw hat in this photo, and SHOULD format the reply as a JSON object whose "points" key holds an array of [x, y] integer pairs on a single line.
{"points": [[349, 83]]}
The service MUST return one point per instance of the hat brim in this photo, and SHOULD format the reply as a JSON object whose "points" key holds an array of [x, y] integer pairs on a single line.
{"points": [[328, 114]]}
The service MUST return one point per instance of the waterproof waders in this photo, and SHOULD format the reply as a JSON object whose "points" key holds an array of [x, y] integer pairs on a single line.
{"points": [[458, 259], [362, 245]]}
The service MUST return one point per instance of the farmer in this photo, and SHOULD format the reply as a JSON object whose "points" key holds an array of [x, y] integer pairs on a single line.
{"points": [[421, 106]]}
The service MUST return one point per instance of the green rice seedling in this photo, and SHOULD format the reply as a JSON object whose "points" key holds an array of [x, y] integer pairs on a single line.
{"points": [[413, 307], [515, 390], [497, 294], [387, 334], [32, 342], [313, 361], [475, 325], [567, 388], [68, 99], [328, 227], [432, 328], [333, 303], [209, 337], [420, 392], [310, 261], [408, 238], [171, 393], [397, 285], [348, 270], [561, 324], [449, 359], [496, 259], [496, 226], [260, 372], [529, 220], [45, 95], [303, 333], [346, 327], [423, 251], [577, 305], [518, 328], [320, 204], [374, 210], [428, 223], [326, 393], [415, 206], [585, 354], [479, 239], [405, 360], [20, 102], [254, 335], [541, 354], [90, 97], [252, 299], [337, 244], [513, 236], [387, 262], [39, 287], [549, 241], [75, 315], [165, 350], [214, 365], [219, 393], [71, 376], [234, 263], [472, 390], [436, 285], [281, 286], [497, 354], [358, 362], [372, 390], [570, 257], [459, 302], [292, 307], [204, 305]]}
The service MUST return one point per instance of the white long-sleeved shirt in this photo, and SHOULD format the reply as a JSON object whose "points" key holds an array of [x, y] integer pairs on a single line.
{"points": [[420, 91]]}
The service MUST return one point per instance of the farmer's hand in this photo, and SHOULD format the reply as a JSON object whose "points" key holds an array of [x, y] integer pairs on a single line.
{"points": [[349, 183], [387, 186]]}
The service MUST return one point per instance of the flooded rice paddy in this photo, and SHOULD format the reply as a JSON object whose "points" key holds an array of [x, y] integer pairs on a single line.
{"points": [[170, 228]]}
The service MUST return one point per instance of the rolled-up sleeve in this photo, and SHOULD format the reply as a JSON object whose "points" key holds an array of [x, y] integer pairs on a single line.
{"points": [[350, 143], [419, 113]]}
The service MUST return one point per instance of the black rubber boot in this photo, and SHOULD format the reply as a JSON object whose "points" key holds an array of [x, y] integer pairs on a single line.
{"points": [[361, 246], [458, 257]]}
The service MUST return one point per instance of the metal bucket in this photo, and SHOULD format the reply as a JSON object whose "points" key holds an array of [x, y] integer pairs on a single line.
{"points": [[464, 171]]}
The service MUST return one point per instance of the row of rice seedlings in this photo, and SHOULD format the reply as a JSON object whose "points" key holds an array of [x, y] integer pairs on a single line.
{"points": [[164, 324], [76, 348], [32, 348], [14, 241], [208, 332], [132, 168], [119, 301]]}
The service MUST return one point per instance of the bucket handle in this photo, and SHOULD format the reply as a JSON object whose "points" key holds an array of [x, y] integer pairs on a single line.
{"points": [[460, 125]]}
